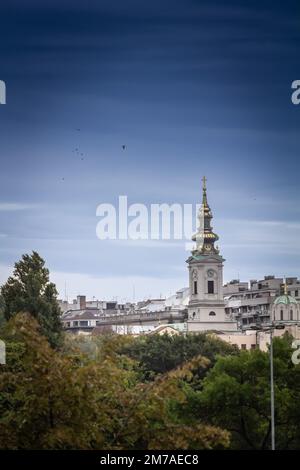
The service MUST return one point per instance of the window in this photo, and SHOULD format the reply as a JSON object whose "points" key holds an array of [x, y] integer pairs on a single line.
{"points": [[291, 315], [253, 346], [281, 315], [212, 314], [296, 293], [195, 287], [194, 314], [210, 287], [243, 346], [84, 323]]}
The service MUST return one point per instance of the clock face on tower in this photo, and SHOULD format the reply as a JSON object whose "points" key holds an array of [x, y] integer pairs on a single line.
{"points": [[210, 273], [207, 247]]}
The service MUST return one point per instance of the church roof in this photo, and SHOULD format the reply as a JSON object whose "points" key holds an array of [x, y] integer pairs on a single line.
{"points": [[285, 300]]}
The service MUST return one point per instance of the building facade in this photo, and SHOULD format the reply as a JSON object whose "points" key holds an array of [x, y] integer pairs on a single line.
{"points": [[252, 303]]}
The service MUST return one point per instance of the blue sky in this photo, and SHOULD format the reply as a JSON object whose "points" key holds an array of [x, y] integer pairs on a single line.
{"points": [[191, 88]]}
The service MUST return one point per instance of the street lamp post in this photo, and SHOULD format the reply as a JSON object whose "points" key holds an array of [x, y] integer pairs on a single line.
{"points": [[271, 330], [272, 391]]}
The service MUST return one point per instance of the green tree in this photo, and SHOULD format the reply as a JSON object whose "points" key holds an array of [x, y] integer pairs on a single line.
{"points": [[236, 396], [2, 306], [29, 290], [158, 354]]}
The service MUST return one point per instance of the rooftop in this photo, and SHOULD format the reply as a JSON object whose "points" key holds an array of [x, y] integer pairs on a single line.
{"points": [[285, 299]]}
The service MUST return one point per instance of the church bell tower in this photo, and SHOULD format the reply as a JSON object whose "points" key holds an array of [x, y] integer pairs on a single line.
{"points": [[206, 308]]}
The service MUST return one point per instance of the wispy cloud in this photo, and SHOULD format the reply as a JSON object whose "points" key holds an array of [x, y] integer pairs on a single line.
{"points": [[262, 223], [16, 206]]}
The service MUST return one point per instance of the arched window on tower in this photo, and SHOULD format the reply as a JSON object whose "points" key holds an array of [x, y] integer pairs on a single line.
{"points": [[212, 314], [291, 315], [281, 315]]}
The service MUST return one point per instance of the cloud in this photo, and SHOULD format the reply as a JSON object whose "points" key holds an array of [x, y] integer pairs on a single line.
{"points": [[261, 224], [149, 243], [5, 272], [16, 206]]}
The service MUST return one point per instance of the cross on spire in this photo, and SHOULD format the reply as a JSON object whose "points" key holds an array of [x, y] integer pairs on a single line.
{"points": [[285, 287]]}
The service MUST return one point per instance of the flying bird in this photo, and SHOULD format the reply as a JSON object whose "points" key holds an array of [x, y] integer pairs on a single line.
{"points": [[123, 147]]}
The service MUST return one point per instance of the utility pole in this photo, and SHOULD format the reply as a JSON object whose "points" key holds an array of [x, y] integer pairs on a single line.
{"points": [[272, 390], [270, 328]]}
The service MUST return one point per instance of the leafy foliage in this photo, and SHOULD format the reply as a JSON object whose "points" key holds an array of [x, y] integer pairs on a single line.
{"points": [[67, 400], [29, 290], [236, 396], [2, 307], [158, 354]]}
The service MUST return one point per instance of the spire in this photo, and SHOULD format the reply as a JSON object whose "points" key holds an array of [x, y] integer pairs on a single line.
{"points": [[205, 238], [204, 195]]}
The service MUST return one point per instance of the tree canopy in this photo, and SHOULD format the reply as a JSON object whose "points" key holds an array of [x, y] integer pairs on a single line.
{"points": [[29, 290], [158, 354], [236, 396]]}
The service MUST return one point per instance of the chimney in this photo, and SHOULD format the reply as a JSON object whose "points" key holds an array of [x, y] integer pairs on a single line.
{"points": [[81, 302]]}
